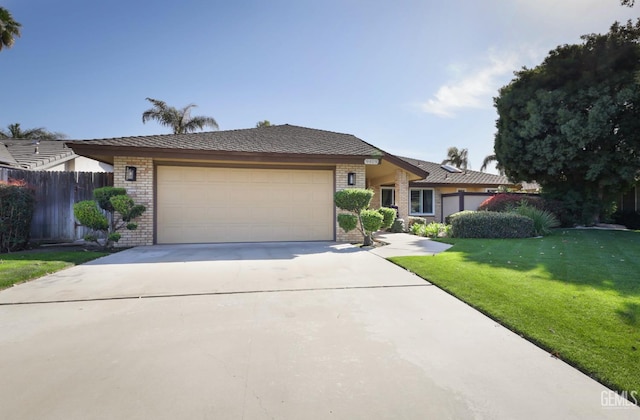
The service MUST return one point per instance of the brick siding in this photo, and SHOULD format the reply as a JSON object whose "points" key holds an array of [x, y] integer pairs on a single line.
{"points": [[141, 190], [342, 171]]}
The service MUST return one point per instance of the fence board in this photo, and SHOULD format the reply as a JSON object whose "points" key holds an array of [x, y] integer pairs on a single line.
{"points": [[56, 192]]}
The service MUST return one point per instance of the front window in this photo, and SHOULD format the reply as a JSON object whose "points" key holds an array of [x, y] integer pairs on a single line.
{"points": [[387, 196], [421, 201]]}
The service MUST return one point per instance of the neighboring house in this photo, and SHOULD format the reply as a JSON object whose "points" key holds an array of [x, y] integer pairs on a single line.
{"points": [[261, 184], [46, 155], [446, 190]]}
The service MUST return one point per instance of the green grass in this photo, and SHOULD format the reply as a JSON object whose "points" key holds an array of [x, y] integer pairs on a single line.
{"points": [[575, 293], [22, 266]]}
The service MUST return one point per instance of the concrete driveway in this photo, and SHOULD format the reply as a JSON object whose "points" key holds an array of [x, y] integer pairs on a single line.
{"points": [[269, 331]]}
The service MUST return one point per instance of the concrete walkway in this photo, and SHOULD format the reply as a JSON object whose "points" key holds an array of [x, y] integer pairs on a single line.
{"points": [[404, 245], [270, 331]]}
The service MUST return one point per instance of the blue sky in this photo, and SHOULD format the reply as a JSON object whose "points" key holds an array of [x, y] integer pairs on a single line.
{"points": [[411, 77]]}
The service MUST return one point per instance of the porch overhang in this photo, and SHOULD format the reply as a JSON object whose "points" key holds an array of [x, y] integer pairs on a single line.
{"points": [[385, 171]]}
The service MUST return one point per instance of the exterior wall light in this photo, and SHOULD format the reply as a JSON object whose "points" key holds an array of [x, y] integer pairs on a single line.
{"points": [[130, 173], [351, 178]]}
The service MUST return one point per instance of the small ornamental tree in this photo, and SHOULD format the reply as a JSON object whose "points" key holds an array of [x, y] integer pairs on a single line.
{"points": [[356, 201], [110, 211]]}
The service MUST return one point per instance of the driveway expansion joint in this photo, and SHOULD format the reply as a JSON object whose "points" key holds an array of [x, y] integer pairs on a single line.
{"points": [[240, 292]]}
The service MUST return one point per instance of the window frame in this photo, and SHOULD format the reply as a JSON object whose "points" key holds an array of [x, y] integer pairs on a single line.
{"points": [[393, 195], [433, 202]]}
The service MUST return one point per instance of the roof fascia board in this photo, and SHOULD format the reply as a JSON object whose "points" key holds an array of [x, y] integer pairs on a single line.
{"points": [[86, 149]]}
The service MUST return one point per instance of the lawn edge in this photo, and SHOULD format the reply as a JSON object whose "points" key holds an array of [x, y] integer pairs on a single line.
{"points": [[522, 334], [53, 272]]}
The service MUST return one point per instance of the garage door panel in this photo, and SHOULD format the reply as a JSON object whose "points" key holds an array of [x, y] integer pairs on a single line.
{"points": [[243, 205]]}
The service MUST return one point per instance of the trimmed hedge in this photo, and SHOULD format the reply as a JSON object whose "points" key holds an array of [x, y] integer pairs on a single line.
{"points": [[489, 224], [449, 218], [17, 202]]}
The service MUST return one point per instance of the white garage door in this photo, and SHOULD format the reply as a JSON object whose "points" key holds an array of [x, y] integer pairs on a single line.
{"points": [[197, 205]]}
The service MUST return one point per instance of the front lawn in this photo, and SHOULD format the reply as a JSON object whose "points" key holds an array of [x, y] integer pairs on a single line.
{"points": [[22, 266], [575, 293]]}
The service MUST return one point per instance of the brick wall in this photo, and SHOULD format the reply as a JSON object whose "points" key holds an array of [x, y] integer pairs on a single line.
{"points": [[402, 193], [341, 183], [141, 190], [375, 201]]}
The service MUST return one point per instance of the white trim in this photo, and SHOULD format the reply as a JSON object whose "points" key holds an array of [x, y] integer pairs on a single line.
{"points": [[433, 201]]}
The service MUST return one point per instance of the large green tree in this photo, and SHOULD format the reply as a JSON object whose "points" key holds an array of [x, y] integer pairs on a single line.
{"points": [[457, 157], [14, 131], [179, 120], [9, 29], [573, 122]]}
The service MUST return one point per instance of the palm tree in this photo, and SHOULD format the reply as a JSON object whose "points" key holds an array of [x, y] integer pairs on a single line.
{"points": [[14, 131], [9, 29], [265, 123], [489, 160], [457, 158], [180, 120]]}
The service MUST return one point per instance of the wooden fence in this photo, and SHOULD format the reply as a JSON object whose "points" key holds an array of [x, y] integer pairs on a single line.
{"points": [[56, 192]]}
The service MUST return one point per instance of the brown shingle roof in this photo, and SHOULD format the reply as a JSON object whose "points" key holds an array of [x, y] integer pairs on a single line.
{"points": [[439, 175], [280, 139]]}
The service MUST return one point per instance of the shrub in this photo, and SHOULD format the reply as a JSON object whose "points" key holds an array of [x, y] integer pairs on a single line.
{"points": [[416, 229], [447, 220], [353, 199], [17, 202], [487, 224], [543, 220], [432, 230], [114, 202], [103, 196], [88, 213], [371, 221], [506, 201], [356, 201], [398, 226], [347, 222], [412, 220], [389, 215]]}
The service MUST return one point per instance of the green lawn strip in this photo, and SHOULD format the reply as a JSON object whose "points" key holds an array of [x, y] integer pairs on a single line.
{"points": [[22, 266], [575, 293]]}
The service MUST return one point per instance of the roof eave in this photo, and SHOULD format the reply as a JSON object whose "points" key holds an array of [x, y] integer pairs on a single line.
{"points": [[419, 172], [90, 150]]}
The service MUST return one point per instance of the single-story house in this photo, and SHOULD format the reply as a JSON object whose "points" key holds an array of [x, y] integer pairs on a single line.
{"points": [[444, 191], [46, 155], [262, 184]]}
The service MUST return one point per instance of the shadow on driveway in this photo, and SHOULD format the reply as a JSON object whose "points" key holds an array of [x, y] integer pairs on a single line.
{"points": [[223, 252]]}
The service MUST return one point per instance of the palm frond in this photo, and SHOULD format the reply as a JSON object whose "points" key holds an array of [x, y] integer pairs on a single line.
{"points": [[179, 120]]}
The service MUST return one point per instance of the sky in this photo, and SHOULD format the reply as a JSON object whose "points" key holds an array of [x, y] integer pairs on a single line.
{"points": [[410, 77]]}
